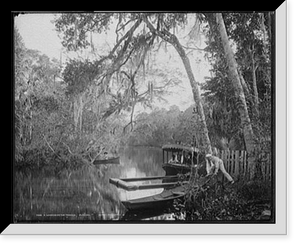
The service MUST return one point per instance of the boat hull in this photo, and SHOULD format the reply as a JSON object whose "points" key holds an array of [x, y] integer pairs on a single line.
{"points": [[174, 169], [159, 201], [107, 161]]}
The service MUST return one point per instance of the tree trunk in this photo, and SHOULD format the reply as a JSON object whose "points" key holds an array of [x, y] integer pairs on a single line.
{"points": [[172, 39], [255, 92], [78, 108], [197, 98], [241, 103]]}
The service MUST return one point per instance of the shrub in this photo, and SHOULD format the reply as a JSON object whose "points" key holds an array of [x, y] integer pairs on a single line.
{"points": [[216, 202]]}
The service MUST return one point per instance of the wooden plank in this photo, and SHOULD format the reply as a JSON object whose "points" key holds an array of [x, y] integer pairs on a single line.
{"points": [[228, 160], [131, 187], [231, 162], [134, 179], [246, 166], [222, 156], [237, 164], [234, 161], [243, 164]]}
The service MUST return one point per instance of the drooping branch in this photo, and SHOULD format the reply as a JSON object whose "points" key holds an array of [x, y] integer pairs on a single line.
{"points": [[118, 61], [122, 56]]}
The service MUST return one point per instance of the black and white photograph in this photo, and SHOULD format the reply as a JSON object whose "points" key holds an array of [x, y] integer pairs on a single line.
{"points": [[144, 117]]}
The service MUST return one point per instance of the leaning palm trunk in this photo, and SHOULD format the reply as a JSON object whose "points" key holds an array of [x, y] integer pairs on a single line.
{"points": [[172, 39], [202, 127], [239, 93]]}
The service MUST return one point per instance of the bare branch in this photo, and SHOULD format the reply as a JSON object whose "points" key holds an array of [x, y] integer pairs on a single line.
{"points": [[123, 26], [193, 48], [51, 148], [116, 31], [69, 149], [128, 34]]}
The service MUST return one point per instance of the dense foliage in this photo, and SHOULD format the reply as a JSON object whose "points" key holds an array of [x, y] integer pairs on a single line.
{"points": [[251, 38], [214, 202]]}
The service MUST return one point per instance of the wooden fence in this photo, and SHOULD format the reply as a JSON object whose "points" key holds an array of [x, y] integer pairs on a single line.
{"points": [[236, 163]]}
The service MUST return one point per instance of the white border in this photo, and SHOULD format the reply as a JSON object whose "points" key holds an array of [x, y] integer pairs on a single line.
{"points": [[280, 227]]}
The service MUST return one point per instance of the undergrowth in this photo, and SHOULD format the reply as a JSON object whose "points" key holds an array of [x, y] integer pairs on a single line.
{"points": [[216, 201]]}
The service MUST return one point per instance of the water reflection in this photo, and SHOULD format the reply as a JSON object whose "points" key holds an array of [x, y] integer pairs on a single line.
{"points": [[139, 162]]}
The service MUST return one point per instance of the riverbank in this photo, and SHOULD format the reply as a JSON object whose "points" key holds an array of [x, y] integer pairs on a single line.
{"points": [[241, 202]]}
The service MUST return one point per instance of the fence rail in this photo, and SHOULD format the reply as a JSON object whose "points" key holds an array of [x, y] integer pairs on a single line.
{"points": [[236, 163]]}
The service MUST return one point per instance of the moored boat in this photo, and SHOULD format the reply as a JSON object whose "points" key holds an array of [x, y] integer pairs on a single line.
{"points": [[181, 165], [163, 200], [173, 184], [115, 160], [159, 201]]}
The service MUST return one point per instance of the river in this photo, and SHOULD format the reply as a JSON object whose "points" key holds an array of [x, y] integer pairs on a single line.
{"points": [[76, 196]]}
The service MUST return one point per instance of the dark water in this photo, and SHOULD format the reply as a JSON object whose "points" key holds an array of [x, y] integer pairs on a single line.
{"points": [[138, 162]]}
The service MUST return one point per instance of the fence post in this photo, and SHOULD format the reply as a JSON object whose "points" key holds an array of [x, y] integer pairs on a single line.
{"points": [[226, 160], [237, 164], [247, 166], [230, 161]]}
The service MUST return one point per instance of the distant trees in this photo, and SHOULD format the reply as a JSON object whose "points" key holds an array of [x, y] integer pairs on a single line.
{"points": [[156, 128], [163, 126], [58, 113], [39, 94]]}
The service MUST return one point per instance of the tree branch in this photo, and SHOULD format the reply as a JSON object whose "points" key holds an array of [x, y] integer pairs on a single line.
{"points": [[123, 26], [193, 48], [51, 148], [157, 32], [69, 149], [128, 34]]}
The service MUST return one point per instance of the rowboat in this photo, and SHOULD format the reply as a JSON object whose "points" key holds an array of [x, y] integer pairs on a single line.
{"points": [[159, 201], [115, 160], [174, 169], [182, 166], [172, 189], [174, 186]]}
